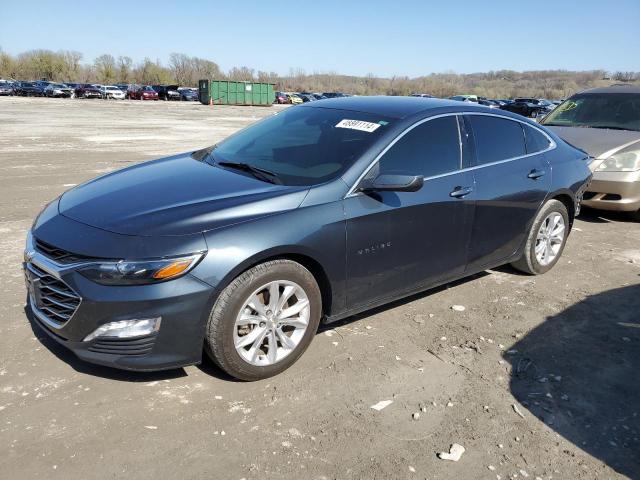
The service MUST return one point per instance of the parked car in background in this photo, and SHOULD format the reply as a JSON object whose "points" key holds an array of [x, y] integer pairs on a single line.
{"points": [[29, 89], [334, 95], [605, 123], [123, 86], [465, 98], [188, 94], [7, 89], [528, 107], [306, 97], [142, 92], [310, 215], [58, 90], [294, 99], [167, 92], [281, 97], [318, 96], [488, 103], [111, 92], [423, 95], [88, 90]]}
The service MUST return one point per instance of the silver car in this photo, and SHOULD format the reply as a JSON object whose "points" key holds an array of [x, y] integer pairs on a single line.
{"points": [[605, 122]]}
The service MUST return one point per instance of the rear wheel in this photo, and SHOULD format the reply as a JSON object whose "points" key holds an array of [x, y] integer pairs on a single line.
{"points": [[546, 240], [264, 320], [636, 215]]}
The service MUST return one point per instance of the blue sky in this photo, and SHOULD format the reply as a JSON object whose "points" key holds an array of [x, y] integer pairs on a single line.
{"points": [[353, 37]]}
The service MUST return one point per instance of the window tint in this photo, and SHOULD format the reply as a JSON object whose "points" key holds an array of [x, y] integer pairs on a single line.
{"points": [[497, 138], [304, 146], [535, 140], [431, 148]]}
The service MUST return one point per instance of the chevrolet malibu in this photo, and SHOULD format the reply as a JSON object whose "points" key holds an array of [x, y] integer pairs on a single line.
{"points": [[314, 214]]}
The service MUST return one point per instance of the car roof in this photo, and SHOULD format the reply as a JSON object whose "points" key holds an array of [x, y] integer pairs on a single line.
{"points": [[397, 107], [621, 88]]}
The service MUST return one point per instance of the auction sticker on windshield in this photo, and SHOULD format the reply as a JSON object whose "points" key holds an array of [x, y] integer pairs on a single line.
{"points": [[358, 125]]}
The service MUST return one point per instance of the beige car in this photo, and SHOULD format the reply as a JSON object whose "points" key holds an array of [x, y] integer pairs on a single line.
{"points": [[605, 123]]}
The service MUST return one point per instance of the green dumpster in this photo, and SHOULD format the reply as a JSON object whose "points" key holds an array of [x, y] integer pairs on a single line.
{"points": [[226, 92]]}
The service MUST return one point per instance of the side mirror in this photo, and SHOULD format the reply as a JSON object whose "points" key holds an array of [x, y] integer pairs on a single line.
{"points": [[393, 183]]}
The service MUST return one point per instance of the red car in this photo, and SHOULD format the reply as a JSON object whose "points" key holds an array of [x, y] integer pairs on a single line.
{"points": [[281, 98], [88, 90], [142, 93]]}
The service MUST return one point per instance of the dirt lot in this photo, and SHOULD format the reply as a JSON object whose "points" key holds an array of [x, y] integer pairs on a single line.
{"points": [[536, 378]]}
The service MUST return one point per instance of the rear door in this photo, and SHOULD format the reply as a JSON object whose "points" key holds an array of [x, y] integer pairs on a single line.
{"points": [[513, 178], [397, 241]]}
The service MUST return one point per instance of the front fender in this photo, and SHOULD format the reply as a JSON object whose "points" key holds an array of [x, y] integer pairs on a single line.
{"points": [[317, 233]]}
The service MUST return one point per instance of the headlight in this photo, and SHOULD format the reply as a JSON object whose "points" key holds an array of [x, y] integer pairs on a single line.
{"points": [[127, 272], [621, 162]]}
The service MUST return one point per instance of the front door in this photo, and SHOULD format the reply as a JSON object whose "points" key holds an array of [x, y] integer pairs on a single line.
{"points": [[398, 241]]}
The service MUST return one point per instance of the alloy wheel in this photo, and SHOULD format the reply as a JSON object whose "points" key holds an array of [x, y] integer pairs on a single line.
{"points": [[271, 323], [550, 238]]}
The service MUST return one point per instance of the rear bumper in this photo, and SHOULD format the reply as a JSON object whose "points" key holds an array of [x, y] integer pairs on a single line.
{"points": [[617, 191]]}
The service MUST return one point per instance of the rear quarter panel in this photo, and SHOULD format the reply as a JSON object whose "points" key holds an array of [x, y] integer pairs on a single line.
{"points": [[570, 171]]}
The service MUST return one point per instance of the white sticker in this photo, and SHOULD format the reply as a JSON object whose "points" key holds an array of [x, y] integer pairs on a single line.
{"points": [[358, 125]]}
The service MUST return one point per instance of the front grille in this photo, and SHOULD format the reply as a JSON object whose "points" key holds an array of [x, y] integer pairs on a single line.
{"points": [[51, 296], [124, 346], [58, 254]]}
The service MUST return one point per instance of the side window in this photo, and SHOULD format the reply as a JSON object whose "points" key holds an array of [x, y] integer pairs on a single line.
{"points": [[535, 140], [432, 148], [497, 138]]}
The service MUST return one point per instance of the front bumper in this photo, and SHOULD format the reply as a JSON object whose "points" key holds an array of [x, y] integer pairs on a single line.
{"points": [[183, 305], [617, 191]]}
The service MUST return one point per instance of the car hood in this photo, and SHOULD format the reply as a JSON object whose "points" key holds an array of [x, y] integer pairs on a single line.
{"points": [[597, 142], [175, 196]]}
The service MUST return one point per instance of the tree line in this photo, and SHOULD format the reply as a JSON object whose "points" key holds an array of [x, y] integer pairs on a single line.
{"points": [[182, 69]]}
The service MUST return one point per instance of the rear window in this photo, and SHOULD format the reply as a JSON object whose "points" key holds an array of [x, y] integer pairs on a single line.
{"points": [[497, 138], [304, 145]]}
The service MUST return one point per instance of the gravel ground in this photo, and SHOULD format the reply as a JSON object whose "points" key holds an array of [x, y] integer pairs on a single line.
{"points": [[537, 377]]}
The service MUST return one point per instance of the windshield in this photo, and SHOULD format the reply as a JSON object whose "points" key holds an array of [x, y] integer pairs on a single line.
{"points": [[303, 146], [619, 111], [148, 89]]}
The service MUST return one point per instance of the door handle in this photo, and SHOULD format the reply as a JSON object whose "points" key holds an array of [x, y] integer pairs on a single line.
{"points": [[536, 174], [461, 192]]}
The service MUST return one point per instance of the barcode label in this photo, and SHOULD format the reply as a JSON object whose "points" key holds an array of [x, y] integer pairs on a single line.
{"points": [[358, 125]]}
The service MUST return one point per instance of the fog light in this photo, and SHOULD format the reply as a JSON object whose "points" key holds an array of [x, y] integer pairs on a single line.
{"points": [[126, 328]]}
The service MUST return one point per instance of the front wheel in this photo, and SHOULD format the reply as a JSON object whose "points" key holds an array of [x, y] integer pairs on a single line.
{"points": [[264, 320], [636, 215], [547, 239]]}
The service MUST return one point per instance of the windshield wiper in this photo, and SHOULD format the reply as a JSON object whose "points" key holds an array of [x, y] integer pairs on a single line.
{"points": [[259, 173]]}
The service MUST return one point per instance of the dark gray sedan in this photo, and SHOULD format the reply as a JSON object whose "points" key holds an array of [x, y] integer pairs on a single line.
{"points": [[319, 212]]}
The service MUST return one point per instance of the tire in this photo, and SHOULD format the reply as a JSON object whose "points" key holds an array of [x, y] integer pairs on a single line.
{"points": [[530, 262], [636, 215], [222, 332]]}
